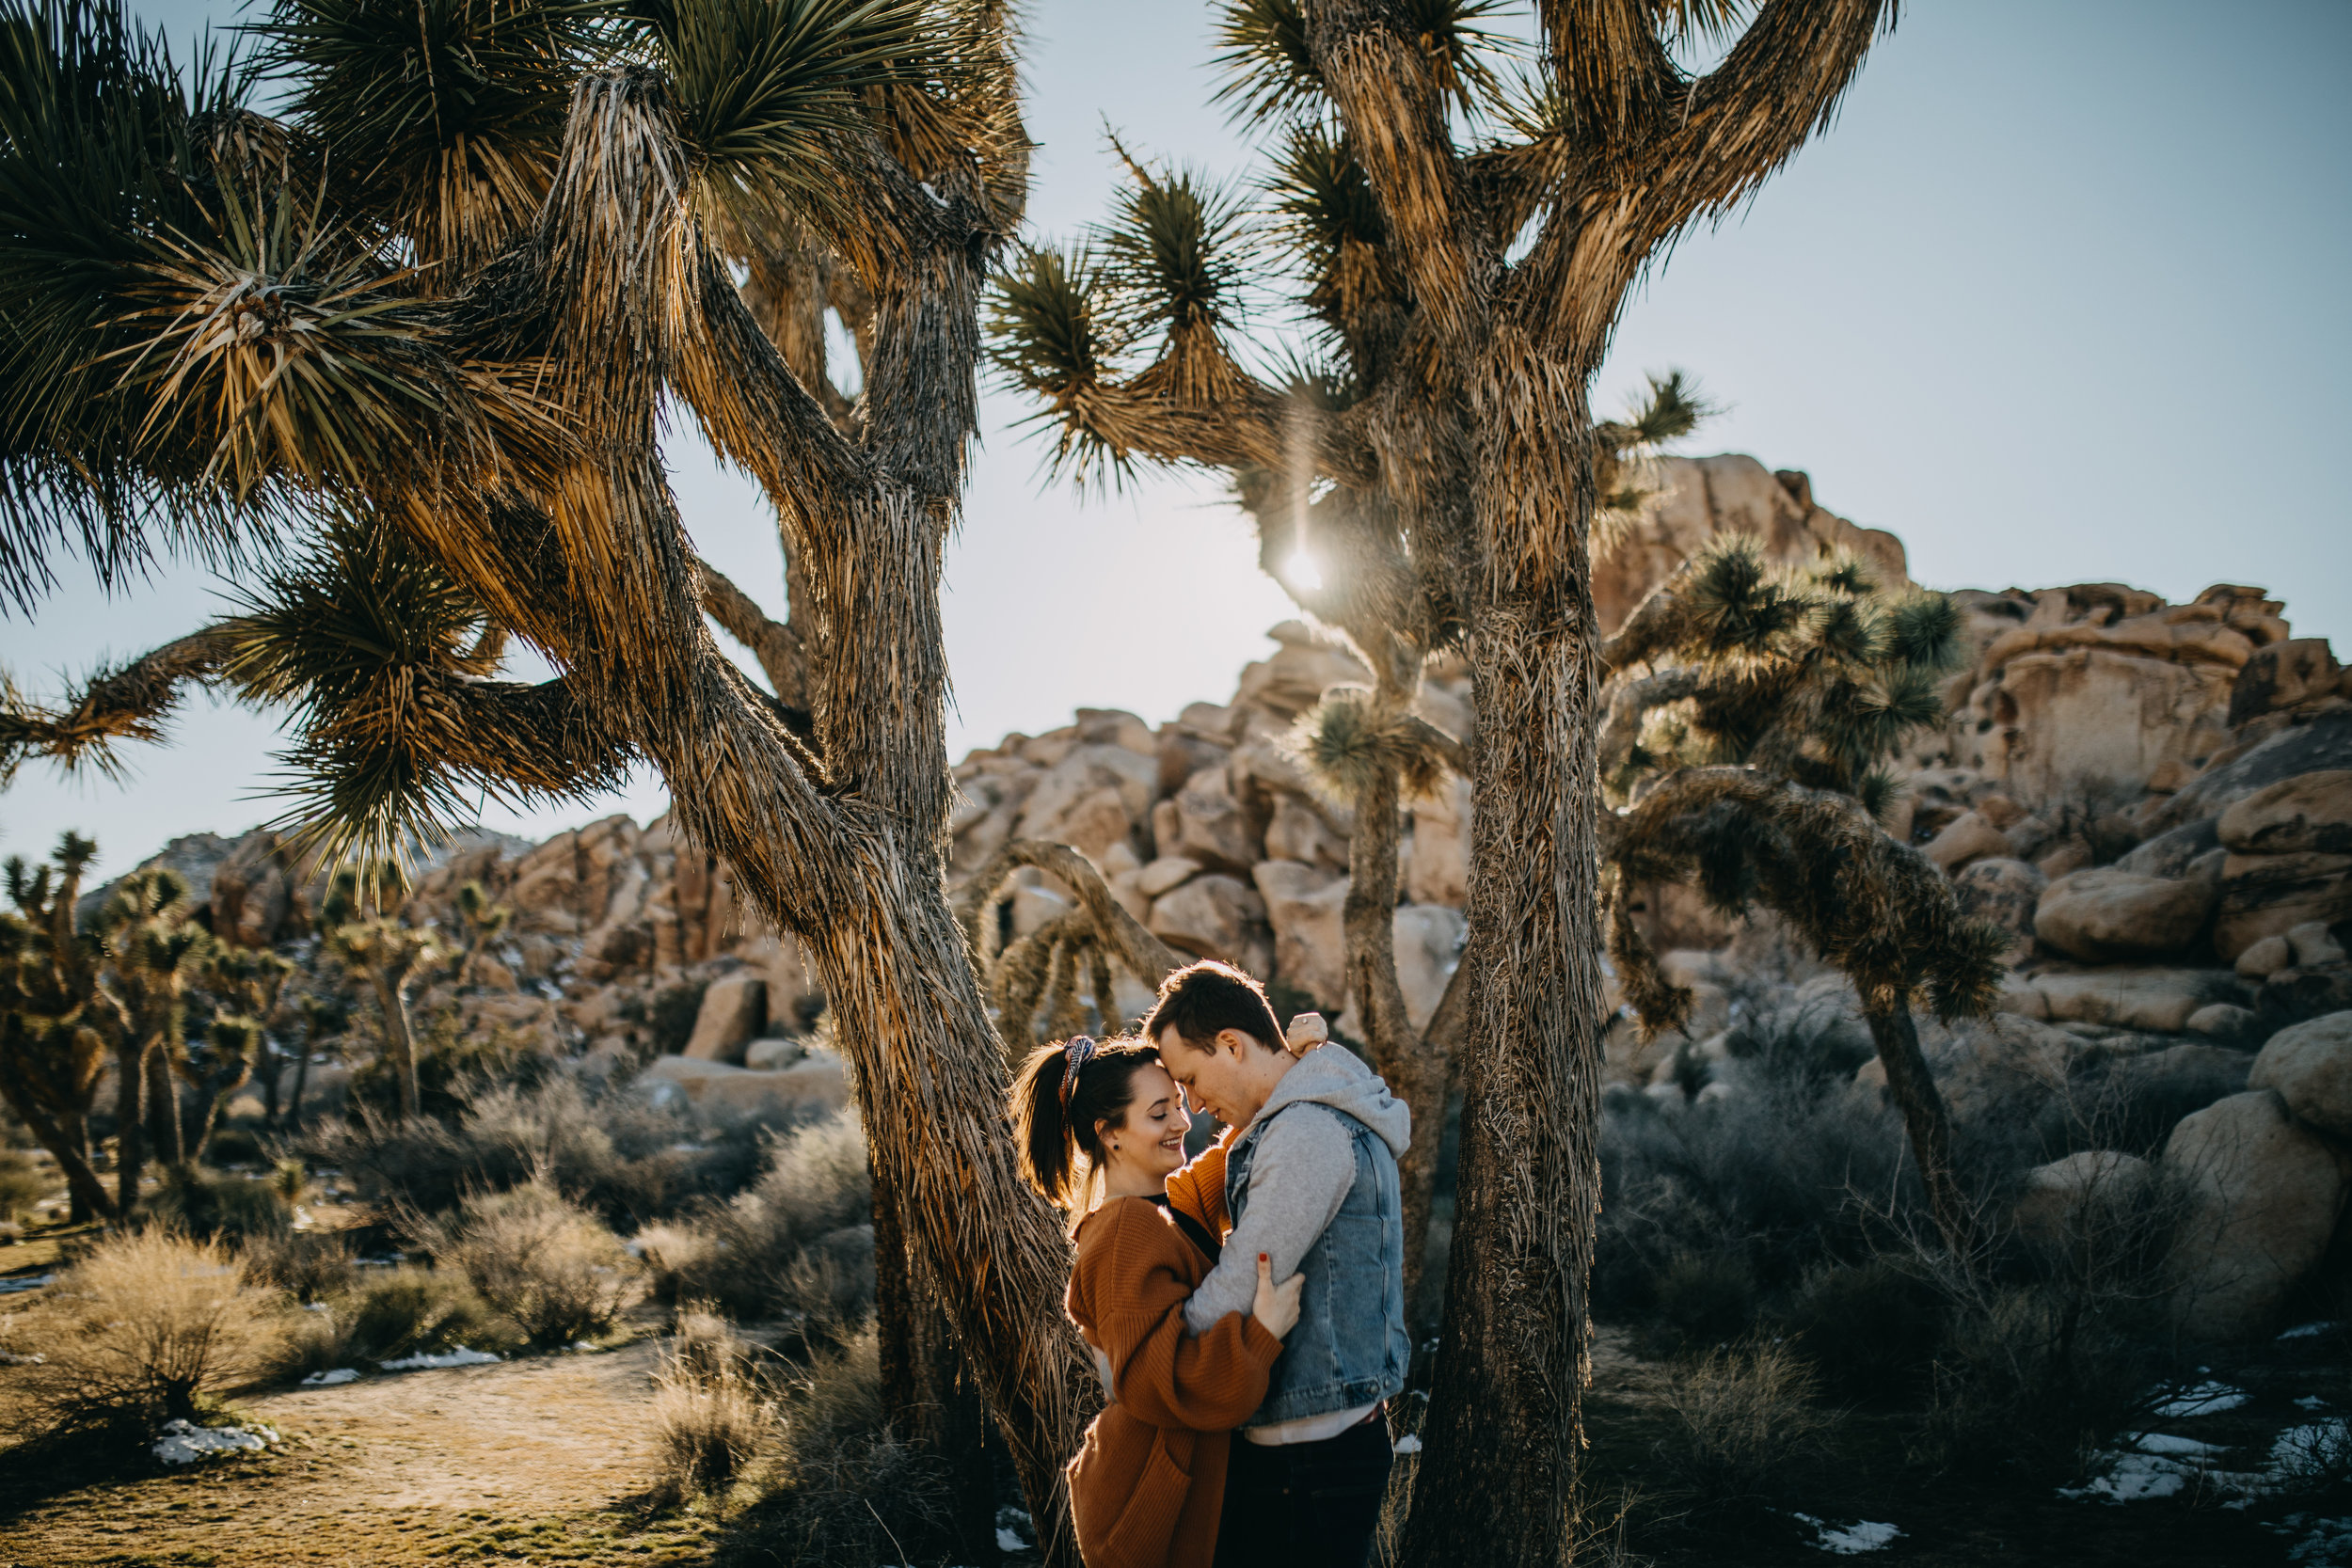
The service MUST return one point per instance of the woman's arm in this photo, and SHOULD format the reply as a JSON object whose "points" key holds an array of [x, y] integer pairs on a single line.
{"points": [[1163, 1375]]}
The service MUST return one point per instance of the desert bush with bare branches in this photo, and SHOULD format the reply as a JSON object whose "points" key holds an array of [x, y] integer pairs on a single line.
{"points": [[1745, 1418], [541, 1261], [149, 1328], [390, 1313], [712, 1419]]}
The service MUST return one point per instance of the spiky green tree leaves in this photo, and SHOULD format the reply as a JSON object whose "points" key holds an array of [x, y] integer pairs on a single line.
{"points": [[1751, 714], [1464, 224], [56, 1022], [414, 333]]}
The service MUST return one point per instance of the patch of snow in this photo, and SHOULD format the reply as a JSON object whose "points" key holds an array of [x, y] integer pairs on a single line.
{"points": [[10, 1286], [2311, 1401], [184, 1443], [332, 1379], [2307, 1330], [316, 1306], [1848, 1540], [2206, 1399], [2325, 1543], [1408, 1444], [1008, 1541], [461, 1356], [2133, 1477], [8, 1358], [2310, 1451], [2179, 1448]]}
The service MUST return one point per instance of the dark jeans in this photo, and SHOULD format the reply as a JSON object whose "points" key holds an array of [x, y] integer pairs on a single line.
{"points": [[1305, 1505]]}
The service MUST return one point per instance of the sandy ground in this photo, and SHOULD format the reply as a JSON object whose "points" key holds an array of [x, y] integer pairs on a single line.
{"points": [[528, 1461]]}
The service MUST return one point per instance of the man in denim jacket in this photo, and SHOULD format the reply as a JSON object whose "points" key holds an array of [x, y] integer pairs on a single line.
{"points": [[1309, 1180]]}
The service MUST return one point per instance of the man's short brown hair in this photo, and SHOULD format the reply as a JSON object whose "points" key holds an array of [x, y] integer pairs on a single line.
{"points": [[1202, 999]]}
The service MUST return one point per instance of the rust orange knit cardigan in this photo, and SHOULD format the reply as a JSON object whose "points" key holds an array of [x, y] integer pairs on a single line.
{"points": [[1149, 1478]]}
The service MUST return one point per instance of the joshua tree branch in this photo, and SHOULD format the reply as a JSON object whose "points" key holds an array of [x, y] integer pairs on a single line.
{"points": [[129, 702], [1630, 701], [1145, 956]]}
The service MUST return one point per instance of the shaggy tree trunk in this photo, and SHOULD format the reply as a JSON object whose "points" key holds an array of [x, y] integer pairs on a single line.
{"points": [[130, 1123], [927, 1392], [292, 1114], [67, 1139], [1504, 1418], [271, 1067], [1415, 1068], [1913, 1086], [162, 1108], [400, 1048]]}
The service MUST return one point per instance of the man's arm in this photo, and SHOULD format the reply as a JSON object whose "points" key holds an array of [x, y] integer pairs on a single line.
{"points": [[1304, 1165]]}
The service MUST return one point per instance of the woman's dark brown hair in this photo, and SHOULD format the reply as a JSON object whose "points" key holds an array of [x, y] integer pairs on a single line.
{"points": [[1056, 1108]]}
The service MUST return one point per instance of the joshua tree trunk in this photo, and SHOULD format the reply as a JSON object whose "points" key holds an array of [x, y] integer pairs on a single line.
{"points": [[163, 1107], [67, 1139], [130, 1123], [400, 1048], [292, 1114], [1414, 1066], [1908, 1080]]}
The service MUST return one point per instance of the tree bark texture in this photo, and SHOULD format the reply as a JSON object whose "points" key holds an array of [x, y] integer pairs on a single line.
{"points": [[1415, 1068], [166, 1128], [67, 1139], [130, 1122], [400, 1047], [1930, 1124]]}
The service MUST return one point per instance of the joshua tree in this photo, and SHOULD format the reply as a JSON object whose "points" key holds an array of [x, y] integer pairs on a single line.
{"points": [[388, 954], [481, 921], [1472, 231], [151, 949], [419, 331], [240, 987], [55, 1018], [1750, 737]]}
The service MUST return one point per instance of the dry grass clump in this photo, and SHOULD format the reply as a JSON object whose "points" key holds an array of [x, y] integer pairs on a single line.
{"points": [[307, 1265], [148, 1328], [542, 1261], [388, 1314], [22, 1185], [1746, 1420], [799, 1243], [206, 1205], [712, 1419]]}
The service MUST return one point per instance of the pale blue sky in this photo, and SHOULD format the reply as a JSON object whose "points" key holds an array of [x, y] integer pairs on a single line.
{"points": [[2060, 297]]}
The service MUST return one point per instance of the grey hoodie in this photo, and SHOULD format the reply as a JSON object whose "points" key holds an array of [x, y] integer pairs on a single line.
{"points": [[1300, 1175]]}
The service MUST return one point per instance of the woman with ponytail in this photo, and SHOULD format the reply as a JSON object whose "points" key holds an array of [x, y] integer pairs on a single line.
{"points": [[1101, 1128]]}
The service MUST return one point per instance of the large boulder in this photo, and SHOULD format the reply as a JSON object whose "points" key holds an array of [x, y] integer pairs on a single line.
{"points": [[1968, 837], [1429, 947], [2070, 1201], [725, 1094], [1094, 796], [1437, 863], [1302, 668], [2323, 744], [2004, 892], [2265, 896], [2283, 675], [734, 1011], [2105, 915], [2263, 1193], [2159, 1001], [2310, 1065], [2172, 852], [1298, 830], [1303, 904], [2310, 814], [1205, 822], [1216, 916]]}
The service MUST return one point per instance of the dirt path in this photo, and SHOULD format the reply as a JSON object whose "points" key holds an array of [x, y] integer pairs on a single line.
{"points": [[526, 1461]]}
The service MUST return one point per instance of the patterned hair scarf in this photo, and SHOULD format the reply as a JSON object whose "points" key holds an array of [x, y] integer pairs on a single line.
{"points": [[1078, 1051]]}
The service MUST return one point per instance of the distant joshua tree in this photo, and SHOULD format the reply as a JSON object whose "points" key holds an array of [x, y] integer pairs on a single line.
{"points": [[1748, 720], [57, 1025]]}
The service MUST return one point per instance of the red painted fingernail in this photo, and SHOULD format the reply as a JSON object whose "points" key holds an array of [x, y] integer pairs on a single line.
{"points": [[1262, 1258]]}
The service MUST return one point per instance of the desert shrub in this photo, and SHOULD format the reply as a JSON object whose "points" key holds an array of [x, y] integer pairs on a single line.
{"points": [[630, 1160], [1870, 1330], [149, 1328], [846, 1488], [711, 1420], [1744, 1421], [390, 1313], [307, 1265], [2025, 1380], [22, 1185], [541, 1261], [1726, 1200], [799, 1242], [236, 1144], [204, 1205]]}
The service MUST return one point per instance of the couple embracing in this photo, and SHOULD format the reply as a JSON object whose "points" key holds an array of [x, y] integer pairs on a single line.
{"points": [[1245, 1311]]}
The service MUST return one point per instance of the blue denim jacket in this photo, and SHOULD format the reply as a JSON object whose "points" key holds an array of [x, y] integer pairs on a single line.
{"points": [[1350, 1346]]}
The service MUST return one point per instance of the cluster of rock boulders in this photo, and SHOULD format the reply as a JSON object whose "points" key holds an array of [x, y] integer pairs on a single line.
{"points": [[2155, 799]]}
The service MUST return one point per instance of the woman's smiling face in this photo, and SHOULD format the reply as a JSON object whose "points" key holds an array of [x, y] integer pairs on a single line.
{"points": [[1151, 1139]]}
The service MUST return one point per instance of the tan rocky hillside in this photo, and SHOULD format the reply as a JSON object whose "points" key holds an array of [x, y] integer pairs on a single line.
{"points": [[2155, 797]]}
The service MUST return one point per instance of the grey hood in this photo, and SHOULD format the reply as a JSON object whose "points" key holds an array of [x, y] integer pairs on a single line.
{"points": [[1333, 1075]]}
